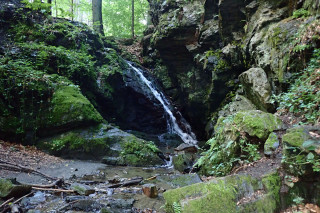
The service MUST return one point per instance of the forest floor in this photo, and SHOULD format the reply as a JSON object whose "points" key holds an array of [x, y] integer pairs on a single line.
{"points": [[31, 157]]}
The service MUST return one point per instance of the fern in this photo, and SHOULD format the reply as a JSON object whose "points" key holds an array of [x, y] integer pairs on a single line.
{"points": [[176, 207]]}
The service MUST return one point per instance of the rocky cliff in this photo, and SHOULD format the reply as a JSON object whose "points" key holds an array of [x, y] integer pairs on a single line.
{"points": [[204, 45]]}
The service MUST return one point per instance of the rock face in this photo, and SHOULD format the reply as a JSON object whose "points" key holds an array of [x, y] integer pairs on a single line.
{"points": [[205, 49]]}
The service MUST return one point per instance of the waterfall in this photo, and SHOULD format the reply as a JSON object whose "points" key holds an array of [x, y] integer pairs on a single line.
{"points": [[187, 136]]}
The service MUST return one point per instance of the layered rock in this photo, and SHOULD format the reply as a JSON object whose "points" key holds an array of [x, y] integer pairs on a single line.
{"points": [[205, 49]]}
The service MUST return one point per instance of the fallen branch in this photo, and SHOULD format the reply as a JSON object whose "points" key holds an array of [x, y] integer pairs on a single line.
{"points": [[15, 167], [131, 182], [27, 195], [58, 182], [54, 190], [5, 203]]}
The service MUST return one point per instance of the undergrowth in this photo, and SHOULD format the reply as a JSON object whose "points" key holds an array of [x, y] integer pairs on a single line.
{"points": [[303, 97]]}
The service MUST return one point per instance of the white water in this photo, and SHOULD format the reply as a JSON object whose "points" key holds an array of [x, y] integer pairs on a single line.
{"points": [[173, 127]]}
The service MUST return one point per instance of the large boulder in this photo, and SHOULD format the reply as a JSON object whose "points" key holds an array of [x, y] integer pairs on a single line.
{"points": [[104, 142], [228, 194], [257, 87]]}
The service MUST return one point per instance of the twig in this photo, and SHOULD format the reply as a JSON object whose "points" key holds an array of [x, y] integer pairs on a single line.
{"points": [[58, 182], [54, 190], [5, 203], [151, 178], [22, 197]]}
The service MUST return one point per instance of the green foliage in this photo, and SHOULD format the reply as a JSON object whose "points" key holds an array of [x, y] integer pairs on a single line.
{"points": [[117, 17], [301, 13], [176, 207], [303, 97], [75, 65], [223, 157], [37, 5], [24, 92]]}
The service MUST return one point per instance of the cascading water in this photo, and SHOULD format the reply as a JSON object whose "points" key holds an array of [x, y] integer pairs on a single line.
{"points": [[187, 136]]}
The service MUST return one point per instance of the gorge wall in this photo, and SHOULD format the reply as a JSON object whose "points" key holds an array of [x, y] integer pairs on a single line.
{"points": [[199, 48]]}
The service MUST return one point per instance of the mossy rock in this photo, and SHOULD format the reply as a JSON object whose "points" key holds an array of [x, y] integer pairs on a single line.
{"points": [[138, 152], [235, 136], [301, 148], [70, 106], [271, 144], [223, 195], [295, 136], [183, 162], [257, 123], [8, 189]]}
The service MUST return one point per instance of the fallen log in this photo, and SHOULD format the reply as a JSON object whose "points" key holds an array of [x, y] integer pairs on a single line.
{"points": [[131, 182], [54, 190]]}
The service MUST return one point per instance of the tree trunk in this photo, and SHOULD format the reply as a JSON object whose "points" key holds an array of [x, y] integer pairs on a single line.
{"points": [[72, 12], [132, 19], [97, 16], [50, 8]]}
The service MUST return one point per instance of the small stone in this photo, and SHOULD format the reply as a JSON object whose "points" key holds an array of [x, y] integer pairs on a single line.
{"points": [[82, 189], [150, 190]]}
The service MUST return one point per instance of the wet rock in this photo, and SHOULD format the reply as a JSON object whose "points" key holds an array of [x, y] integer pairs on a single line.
{"points": [[9, 188], [257, 87], [82, 189], [186, 148], [183, 162], [86, 205], [150, 190], [180, 180], [121, 203], [74, 198]]}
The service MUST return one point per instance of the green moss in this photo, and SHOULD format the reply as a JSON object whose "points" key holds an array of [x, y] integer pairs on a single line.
{"points": [[137, 152], [271, 144], [5, 187], [75, 141], [257, 123], [222, 195], [295, 137], [70, 106], [272, 184]]}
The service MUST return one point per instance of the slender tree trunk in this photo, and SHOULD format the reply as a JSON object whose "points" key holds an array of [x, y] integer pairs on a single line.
{"points": [[55, 4], [132, 18], [72, 12], [97, 16], [50, 8]]}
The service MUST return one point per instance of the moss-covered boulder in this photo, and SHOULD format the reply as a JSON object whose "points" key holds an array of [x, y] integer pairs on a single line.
{"points": [[104, 142], [227, 195], [301, 151], [237, 137], [10, 189]]}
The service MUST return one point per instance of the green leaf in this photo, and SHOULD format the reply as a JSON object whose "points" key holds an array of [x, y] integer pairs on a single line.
{"points": [[310, 156]]}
